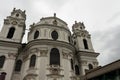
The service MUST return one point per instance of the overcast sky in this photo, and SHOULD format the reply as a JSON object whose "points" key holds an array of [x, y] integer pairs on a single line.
{"points": [[101, 18]]}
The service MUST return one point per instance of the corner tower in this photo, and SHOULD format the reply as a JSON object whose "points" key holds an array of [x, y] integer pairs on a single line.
{"points": [[13, 26], [84, 49]]}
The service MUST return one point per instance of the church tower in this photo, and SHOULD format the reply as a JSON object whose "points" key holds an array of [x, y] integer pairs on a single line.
{"points": [[85, 53], [13, 26], [10, 42]]}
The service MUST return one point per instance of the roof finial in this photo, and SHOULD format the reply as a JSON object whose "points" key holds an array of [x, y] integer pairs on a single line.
{"points": [[14, 9], [24, 11], [75, 22], [54, 14]]}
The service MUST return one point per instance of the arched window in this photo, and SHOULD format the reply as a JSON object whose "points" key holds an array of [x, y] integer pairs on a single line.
{"points": [[54, 57], [36, 34], [71, 64], [32, 61], [77, 70], [54, 35], [85, 44], [2, 60], [11, 32], [18, 65], [90, 66]]}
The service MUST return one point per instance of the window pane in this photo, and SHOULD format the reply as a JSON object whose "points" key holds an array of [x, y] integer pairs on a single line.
{"points": [[54, 57]]}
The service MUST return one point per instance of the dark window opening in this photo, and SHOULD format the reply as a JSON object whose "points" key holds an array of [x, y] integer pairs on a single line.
{"points": [[32, 61], [85, 44], [74, 42], [72, 64], [54, 57], [90, 66], [2, 60], [54, 35], [36, 34], [11, 32], [69, 39], [17, 15], [2, 75], [18, 65], [77, 70]]}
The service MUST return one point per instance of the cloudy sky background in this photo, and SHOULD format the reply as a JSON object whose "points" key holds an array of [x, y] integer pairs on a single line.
{"points": [[101, 18]]}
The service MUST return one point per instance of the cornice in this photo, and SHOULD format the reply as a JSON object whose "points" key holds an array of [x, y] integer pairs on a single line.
{"points": [[54, 18], [90, 54], [50, 42], [10, 44], [51, 25]]}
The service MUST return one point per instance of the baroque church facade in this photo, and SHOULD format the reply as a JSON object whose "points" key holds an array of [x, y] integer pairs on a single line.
{"points": [[51, 53]]}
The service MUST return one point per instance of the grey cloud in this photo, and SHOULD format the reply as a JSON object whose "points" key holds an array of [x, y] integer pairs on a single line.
{"points": [[114, 17], [108, 43]]}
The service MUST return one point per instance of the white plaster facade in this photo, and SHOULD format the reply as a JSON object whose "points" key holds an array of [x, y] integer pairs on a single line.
{"points": [[70, 46]]}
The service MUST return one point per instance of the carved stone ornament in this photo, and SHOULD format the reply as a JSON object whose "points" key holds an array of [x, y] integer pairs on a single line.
{"points": [[73, 78], [6, 21], [21, 24], [43, 52], [95, 63], [14, 22], [55, 22], [83, 62], [65, 55], [34, 50], [54, 70], [12, 55]]}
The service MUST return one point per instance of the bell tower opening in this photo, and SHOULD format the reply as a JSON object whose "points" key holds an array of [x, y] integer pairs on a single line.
{"points": [[85, 44], [11, 32]]}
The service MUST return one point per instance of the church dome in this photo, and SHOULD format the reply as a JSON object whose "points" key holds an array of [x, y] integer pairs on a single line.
{"points": [[50, 28], [52, 21]]}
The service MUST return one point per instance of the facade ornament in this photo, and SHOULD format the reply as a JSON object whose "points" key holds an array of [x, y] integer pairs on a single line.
{"points": [[12, 55], [65, 55], [83, 62], [21, 24], [43, 52], [14, 9], [54, 14], [24, 11], [55, 22], [6, 21], [14, 22]]}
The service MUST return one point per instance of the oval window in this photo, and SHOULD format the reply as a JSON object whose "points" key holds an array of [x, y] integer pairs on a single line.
{"points": [[54, 35], [36, 34]]}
